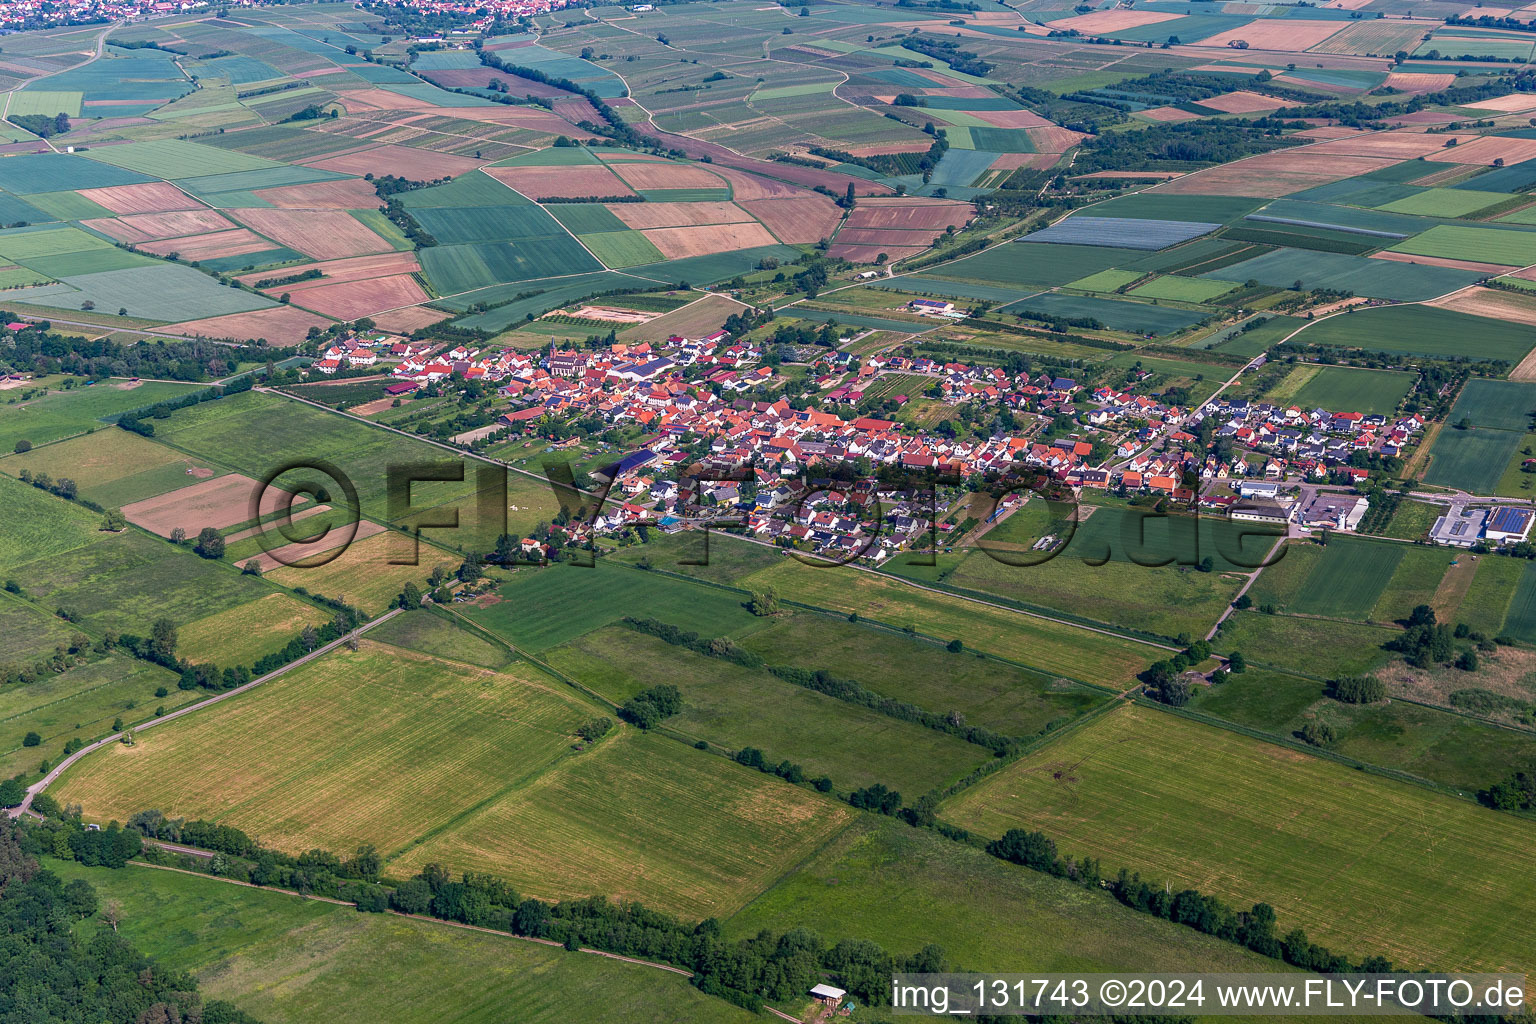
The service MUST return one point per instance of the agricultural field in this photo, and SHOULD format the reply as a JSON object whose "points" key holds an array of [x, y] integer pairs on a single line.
{"points": [[315, 739], [1338, 867], [248, 946], [546, 228]]}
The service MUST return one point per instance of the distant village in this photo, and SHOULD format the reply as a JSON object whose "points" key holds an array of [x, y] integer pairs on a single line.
{"points": [[713, 450]]}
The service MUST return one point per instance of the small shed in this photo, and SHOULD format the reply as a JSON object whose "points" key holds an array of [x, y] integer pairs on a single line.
{"points": [[829, 994]]}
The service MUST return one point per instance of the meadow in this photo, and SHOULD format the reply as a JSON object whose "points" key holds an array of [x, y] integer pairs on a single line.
{"points": [[1350, 389], [1319, 647], [373, 746], [904, 887], [243, 634], [81, 703], [1365, 865], [125, 581], [441, 635], [288, 960], [736, 707], [640, 817], [77, 410], [39, 525], [111, 467]]}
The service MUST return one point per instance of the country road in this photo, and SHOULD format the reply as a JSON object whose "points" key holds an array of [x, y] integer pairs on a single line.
{"points": [[59, 769]]}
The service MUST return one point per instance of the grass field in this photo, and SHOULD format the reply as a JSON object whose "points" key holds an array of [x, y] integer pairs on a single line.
{"points": [[364, 574], [293, 961], [737, 707], [1184, 289], [242, 634], [642, 817], [1349, 389], [29, 633], [904, 887], [83, 703], [1421, 330], [1520, 619], [1364, 864], [1319, 647], [725, 559], [1049, 646], [622, 248], [442, 637], [39, 525], [62, 413], [1487, 600], [988, 693], [374, 746]]}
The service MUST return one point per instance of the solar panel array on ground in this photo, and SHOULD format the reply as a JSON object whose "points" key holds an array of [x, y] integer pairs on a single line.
{"points": [[1122, 232]]}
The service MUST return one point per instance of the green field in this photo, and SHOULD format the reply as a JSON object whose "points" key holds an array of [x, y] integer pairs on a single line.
{"points": [[1364, 864], [1106, 280], [1349, 577], [1475, 459], [1421, 330], [288, 960], [39, 526], [1441, 747], [738, 707], [244, 633], [1350, 389], [1319, 647], [1484, 245], [81, 703], [172, 158], [111, 467], [1041, 644], [716, 557], [62, 413], [442, 637], [988, 693], [1520, 620], [1493, 588], [540, 608], [641, 817], [375, 746], [161, 291], [461, 268], [1184, 289], [1444, 202], [125, 581], [28, 633], [904, 887], [621, 248]]}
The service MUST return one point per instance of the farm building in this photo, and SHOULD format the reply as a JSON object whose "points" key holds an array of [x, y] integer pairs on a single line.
{"points": [[1459, 528], [1509, 525], [1334, 511], [1269, 489], [1259, 512], [829, 994]]}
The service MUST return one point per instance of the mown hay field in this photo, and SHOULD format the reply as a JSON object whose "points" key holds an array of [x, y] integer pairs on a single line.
{"points": [[62, 413], [39, 525], [373, 746], [641, 817], [1366, 865], [244, 633]]}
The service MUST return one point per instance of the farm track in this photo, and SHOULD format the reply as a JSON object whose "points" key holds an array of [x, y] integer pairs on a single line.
{"points": [[52, 776]]}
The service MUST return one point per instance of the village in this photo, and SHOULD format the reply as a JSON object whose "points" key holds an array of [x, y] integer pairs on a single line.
{"points": [[722, 444]]}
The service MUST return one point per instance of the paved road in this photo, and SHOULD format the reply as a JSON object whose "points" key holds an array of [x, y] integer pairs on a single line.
{"points": [[47, 780]]}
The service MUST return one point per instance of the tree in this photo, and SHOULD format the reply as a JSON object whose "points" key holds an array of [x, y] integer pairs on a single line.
{"points": [[12, 793], [954, 646], [31, 739], [210, 543], [1318, 734], [23, 446], [162, 641], [114, 521], [1468, 661], [763, 602], [410, 597], [1236, 662], [112, 914], [251, 568], [308, 638], [178, 535], [1031, 849]]}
